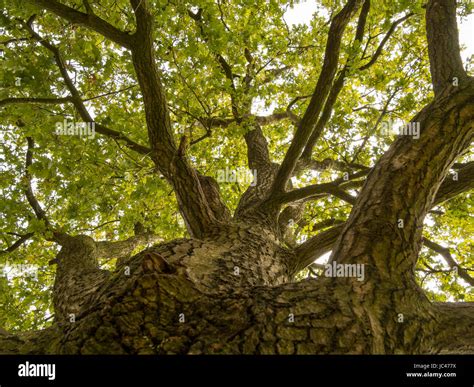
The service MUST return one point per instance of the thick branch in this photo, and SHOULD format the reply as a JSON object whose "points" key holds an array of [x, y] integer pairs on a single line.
{"points": [[456, 184], [218, 122], [28, 343], [86, 19], [326, 77], [17, 244], [257, 149], [315, 189], [337, 87], [333, 188], [326, 114], [30, 196], [323, 242], [328, 163], [53, 101], [443, 44], [122, 249], [57, 236], [314, 247], [386, 233], [171, 162], [446, 254], [163, 150], [455, 321], [339, 83], [263, 169]]}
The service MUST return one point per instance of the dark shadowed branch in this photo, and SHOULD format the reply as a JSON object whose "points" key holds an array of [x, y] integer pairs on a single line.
{"points": [[446, 254], [443, 44], [325, 80], [88, 19], [339, 82], [314, 247], [453, 185], [323, 242], [30, 196], [17, 243], [337, 86], [385, 39], [198, 212], [52, 101]]}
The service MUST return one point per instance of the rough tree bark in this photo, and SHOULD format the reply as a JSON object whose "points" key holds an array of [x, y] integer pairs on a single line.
{"points": [[230, 287]]}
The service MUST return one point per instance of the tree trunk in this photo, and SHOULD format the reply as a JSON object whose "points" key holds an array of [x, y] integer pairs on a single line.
{"points": [[226, 294]]}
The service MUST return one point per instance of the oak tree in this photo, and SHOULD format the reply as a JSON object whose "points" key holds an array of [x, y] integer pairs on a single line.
{"points": [[132, 225]]}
